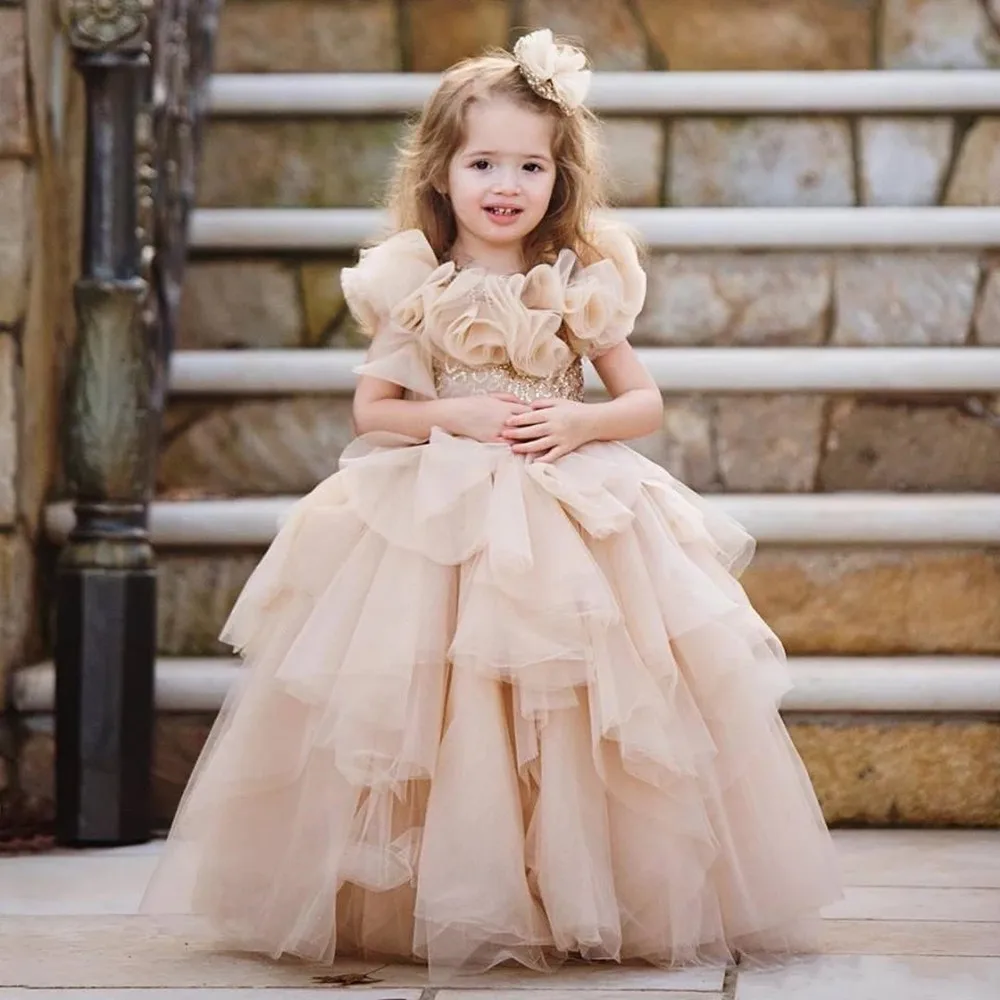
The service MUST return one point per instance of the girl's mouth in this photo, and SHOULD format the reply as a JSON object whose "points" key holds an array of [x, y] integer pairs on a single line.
{"points": [[501, 212]]}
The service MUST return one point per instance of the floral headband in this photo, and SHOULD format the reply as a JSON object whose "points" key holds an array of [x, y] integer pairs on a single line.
{"points": [[556, 72]]}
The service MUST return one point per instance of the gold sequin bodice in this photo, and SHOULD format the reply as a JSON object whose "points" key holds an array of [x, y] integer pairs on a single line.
{"points": [[452, 379]]}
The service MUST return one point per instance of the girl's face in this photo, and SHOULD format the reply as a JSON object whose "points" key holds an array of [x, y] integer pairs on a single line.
{"points": [[500, 180]]}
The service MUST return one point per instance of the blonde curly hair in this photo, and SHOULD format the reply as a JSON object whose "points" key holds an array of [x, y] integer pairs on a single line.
{"points": [[415, 198]]}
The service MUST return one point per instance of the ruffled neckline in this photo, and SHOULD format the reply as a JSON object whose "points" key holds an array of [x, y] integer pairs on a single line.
{"points": [[539, 320]]}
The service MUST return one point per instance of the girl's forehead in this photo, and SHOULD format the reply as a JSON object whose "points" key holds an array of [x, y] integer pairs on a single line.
{"points": [[498, 124]]}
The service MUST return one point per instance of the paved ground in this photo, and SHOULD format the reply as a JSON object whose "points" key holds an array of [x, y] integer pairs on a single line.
{"points": [[920, 921]]}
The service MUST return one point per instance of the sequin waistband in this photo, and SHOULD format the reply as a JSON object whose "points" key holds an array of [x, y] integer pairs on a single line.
{"points": [[452, 379]]}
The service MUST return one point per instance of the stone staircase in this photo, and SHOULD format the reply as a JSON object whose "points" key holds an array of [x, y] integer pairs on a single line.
{"points": [[823, 317]]}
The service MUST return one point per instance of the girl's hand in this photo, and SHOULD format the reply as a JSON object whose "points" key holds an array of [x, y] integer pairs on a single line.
{"points": [[552, 428], [483, 418]]}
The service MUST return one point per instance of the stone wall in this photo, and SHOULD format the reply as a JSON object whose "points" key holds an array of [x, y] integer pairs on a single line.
{"points": [[683, 161], [844, 299], [427, 35], [39, 191], [861, 601], [758, 444]]}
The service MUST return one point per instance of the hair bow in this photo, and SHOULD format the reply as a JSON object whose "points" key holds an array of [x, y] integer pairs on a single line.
{"points": [[555, 72]]}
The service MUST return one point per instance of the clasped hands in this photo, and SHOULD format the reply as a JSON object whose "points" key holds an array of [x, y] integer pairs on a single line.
{"points": [[549, 429], [542, 431]]}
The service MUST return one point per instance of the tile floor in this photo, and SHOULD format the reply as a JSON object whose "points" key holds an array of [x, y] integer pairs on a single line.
{"points": [[920, 921]]}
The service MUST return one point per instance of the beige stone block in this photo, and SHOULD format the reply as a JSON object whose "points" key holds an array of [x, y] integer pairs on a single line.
{"points": [[904, 160], [759, 299], [308, 36], [298, 163], [608, 29], [761, 34], [760, 161], [442, 32], [17, 603], [239, 304], [9, 449], [988, 312], [879, 601], [899, 771], [937, 34], [36, 774], [326, 314], [14, 251], [976, 177], [683, 303], [15, 136], [634, 150], [194, 596], [896, 447], [769, 444], [906, 299], [684, 445], [276, 446]]}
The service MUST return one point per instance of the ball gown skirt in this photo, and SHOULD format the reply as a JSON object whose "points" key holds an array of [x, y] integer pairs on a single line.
{"points": [[496, 709]]}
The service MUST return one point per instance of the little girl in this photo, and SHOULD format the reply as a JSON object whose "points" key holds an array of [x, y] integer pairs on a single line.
{"points": [[505, 699]]}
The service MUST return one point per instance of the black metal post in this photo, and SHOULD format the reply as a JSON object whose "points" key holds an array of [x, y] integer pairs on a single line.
{"points": [[105, 589]]}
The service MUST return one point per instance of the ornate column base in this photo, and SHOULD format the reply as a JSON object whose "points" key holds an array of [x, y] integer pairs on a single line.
{"points": [[105, 647]]}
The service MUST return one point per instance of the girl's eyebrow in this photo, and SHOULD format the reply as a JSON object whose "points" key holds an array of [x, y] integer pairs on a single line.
{"points": [[523, 156]]}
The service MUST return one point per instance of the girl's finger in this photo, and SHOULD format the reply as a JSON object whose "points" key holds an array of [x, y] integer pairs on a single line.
{"points": [[556, 453], [528, 417], [545, 404], [534, 447], [526, 433], [508, 397]]}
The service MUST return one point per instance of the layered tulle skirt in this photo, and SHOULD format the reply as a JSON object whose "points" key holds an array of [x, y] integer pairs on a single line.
{"points": [[500, 710]]}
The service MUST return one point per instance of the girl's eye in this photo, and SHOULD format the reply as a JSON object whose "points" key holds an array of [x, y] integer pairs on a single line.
{"points": [[481, 165], [533, 168]]}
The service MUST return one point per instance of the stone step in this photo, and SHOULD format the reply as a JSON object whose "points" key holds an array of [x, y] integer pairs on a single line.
{"points": [[644, 92], [798, 519], [259, 444], [220, 230], [821, 684], [821, 600], [676, 370], [868, 769]]}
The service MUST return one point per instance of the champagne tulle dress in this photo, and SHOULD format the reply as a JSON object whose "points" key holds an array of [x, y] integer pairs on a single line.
{"points": [[495, 709]]}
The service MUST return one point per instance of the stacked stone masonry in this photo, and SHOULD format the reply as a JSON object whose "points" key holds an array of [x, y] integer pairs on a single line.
{"points": [[682, 161], [849, 601], [37, 228], [304, 36], [867, 770], [16, 549]]}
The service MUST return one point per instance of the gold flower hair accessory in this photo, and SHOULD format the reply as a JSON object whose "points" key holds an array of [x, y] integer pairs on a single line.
{"points": [[556, 72]]}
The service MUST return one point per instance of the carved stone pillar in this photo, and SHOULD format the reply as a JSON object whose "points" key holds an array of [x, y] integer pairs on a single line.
{"points": [[106, 590]]}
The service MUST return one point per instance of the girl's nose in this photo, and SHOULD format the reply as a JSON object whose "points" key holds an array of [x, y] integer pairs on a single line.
{"points": [[507, 181]]}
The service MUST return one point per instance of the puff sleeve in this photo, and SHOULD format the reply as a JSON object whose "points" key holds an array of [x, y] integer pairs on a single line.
{"points": [[376, 289], [603, 299]]}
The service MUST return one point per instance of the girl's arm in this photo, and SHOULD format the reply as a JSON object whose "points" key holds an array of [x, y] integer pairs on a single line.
{"points": [[555, 427], [636, 406]]}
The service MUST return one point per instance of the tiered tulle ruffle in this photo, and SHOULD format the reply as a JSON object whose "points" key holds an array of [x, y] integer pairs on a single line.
{"points": [[497, 710]]}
